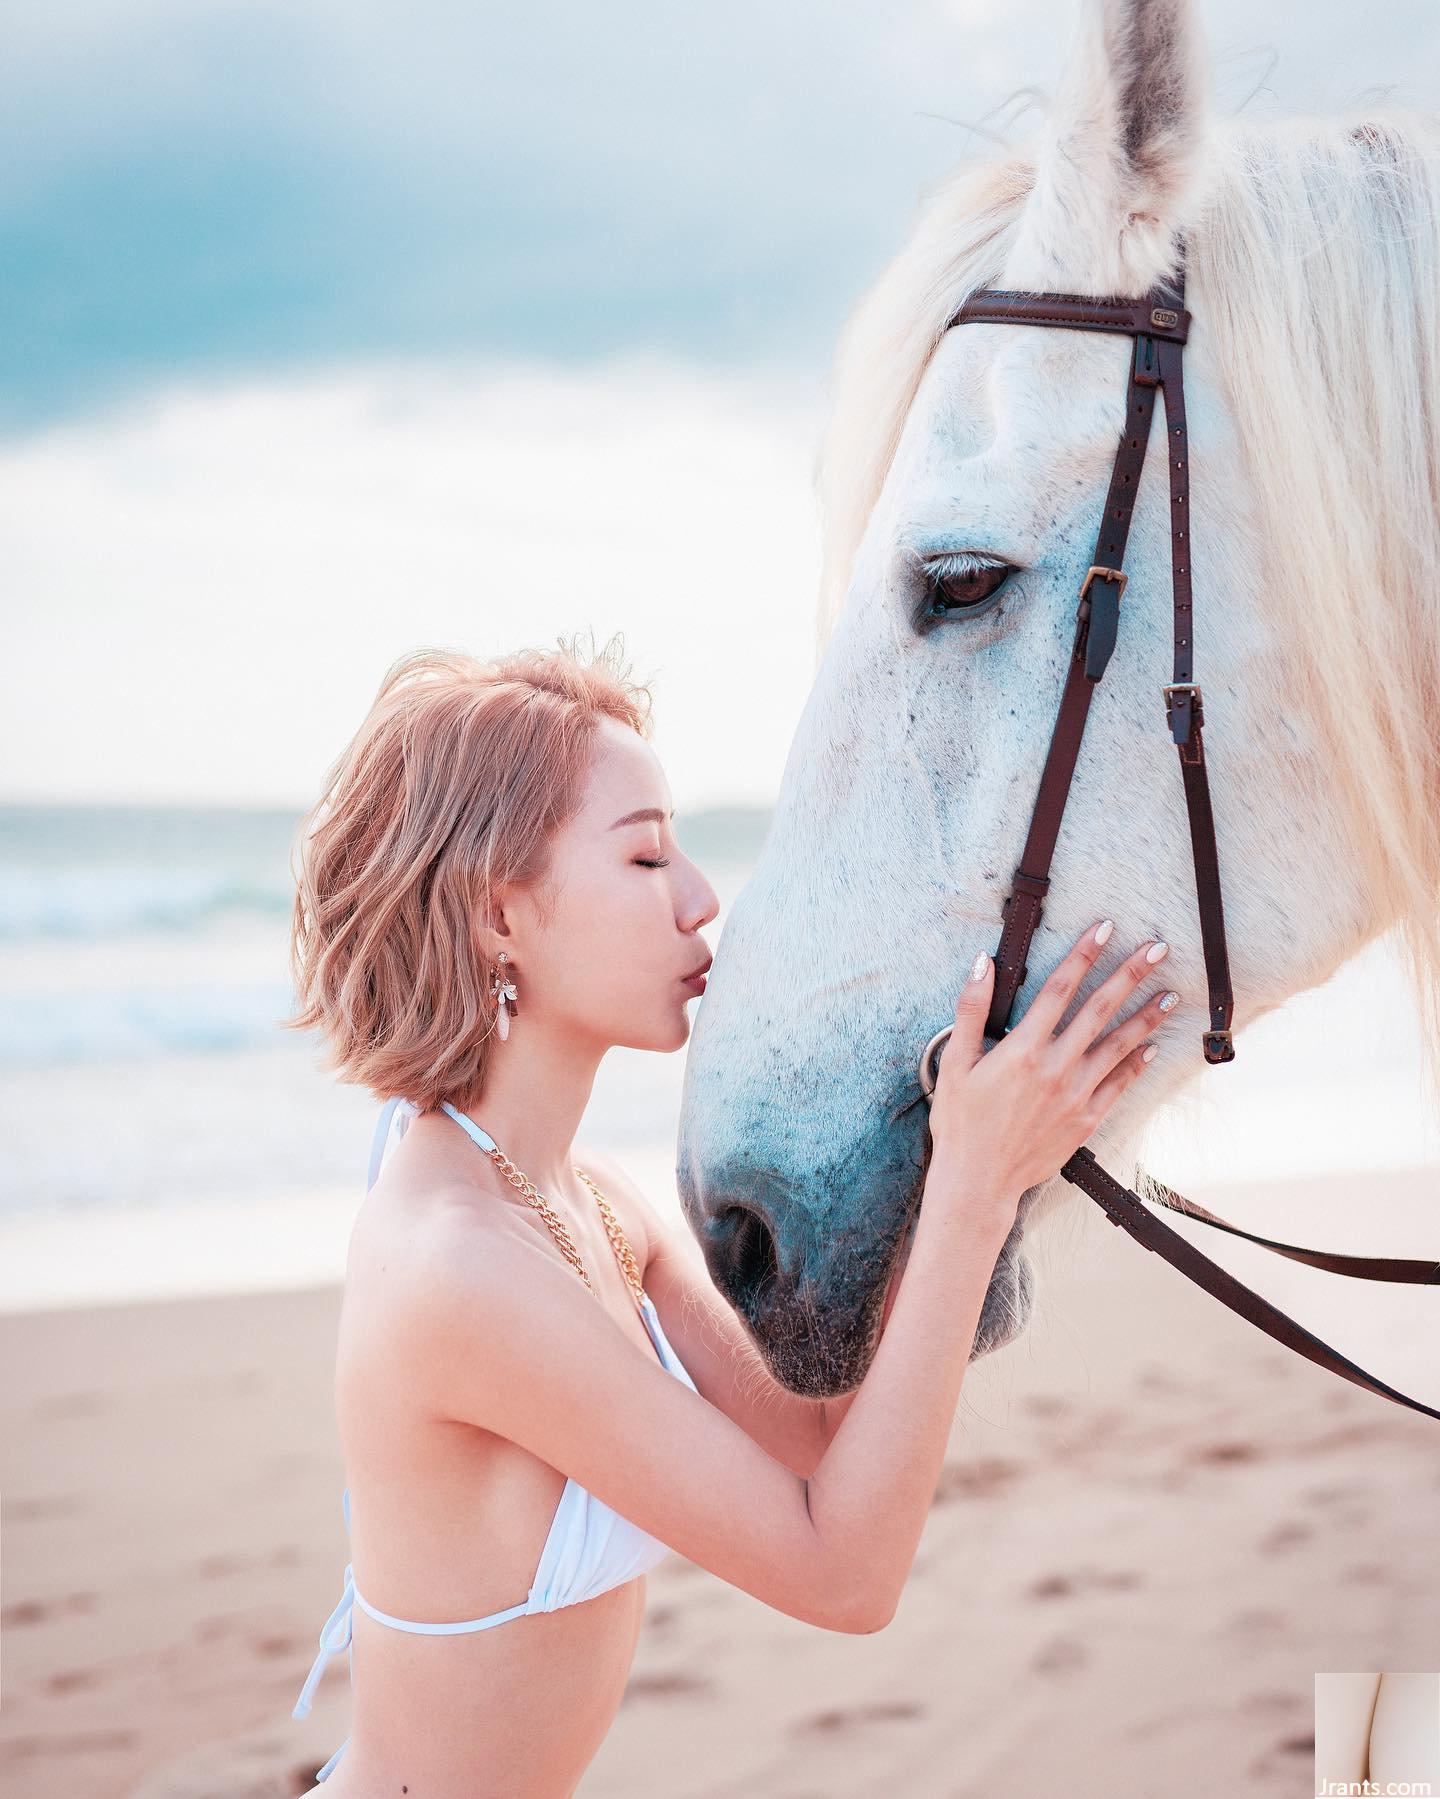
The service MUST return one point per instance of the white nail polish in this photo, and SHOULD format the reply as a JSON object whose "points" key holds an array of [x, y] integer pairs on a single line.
{"points": [[980, 964], [1156, 951], [1148, 1053], [1168, 1001], [1102, 931]]}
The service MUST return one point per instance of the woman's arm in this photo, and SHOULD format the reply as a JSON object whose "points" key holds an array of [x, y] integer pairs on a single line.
{"points": [[499, 1334], [712, 1342]]}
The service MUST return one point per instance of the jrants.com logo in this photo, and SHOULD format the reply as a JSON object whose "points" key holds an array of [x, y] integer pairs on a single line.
{"points": [[1377, 1735]]}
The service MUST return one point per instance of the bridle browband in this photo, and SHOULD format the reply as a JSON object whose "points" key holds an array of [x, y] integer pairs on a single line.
{"points": [[1159, 326]]}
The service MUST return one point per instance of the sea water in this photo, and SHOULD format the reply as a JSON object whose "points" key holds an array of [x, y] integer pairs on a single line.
{"points": [[156, 1108]]}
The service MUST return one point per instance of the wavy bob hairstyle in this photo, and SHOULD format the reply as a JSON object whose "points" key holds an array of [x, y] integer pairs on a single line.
{"points": [[453, 787]]}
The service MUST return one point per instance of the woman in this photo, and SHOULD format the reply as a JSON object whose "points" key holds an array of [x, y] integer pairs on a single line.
{"points": [[491, 895]]}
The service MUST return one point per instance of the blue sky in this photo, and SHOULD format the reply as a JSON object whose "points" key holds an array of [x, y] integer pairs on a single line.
{"points": [[217, 187], [334, 328]]}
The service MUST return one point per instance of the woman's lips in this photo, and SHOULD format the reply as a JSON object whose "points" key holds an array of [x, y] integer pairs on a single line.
{"points": [[693, 983]]}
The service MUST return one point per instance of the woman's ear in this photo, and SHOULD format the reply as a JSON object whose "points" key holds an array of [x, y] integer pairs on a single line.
{"points": [[492, 932], [502, 923]]}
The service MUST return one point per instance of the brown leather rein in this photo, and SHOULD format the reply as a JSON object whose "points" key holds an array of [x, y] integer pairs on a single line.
{"points": [[1159, 325]]}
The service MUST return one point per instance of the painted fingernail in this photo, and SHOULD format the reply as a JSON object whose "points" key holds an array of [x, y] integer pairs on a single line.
{"points": [[1102, 931], [1148, 1053], [980, 964], [1168, 1001], [1156, 951]]}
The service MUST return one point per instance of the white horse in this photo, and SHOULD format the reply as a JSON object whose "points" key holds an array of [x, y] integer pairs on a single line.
{"points": [[966, 458]]}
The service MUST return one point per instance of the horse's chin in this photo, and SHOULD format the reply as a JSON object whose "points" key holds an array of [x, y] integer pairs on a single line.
{"points": [[1009, 1300], [823, 1368]]}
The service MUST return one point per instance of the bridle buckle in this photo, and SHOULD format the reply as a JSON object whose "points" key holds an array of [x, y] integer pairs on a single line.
{"points": [[1096, 573], [1218, 1046], [1184, 730]]}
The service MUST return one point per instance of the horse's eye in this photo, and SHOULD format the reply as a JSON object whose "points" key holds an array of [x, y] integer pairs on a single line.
{"points": [[950, 593]]}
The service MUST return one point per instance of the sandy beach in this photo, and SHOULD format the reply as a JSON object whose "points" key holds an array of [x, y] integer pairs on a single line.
{"points": [[1153, 1529]]}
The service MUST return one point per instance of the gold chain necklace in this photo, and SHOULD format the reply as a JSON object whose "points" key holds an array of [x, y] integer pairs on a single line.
{"points": [[619, 1242]]}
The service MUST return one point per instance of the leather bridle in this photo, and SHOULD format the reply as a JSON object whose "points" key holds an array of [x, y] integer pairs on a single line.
{"points": [[1159, 325]]}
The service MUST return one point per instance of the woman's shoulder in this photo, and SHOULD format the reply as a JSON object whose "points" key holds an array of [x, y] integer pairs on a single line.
{"points": [[442, 1237], [414, 1227]]}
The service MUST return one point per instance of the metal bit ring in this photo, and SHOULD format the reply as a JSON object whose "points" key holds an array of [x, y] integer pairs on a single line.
{"points": [[927, 1073]]}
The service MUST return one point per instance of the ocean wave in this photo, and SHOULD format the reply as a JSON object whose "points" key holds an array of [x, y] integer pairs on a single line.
{"points": [[109, 900], [47, 1029]]}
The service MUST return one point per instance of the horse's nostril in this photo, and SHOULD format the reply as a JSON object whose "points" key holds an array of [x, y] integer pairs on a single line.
{"points": [[740, 1252]]}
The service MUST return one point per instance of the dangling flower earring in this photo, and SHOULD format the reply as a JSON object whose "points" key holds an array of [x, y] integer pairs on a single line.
{"points": [[502, 991]]}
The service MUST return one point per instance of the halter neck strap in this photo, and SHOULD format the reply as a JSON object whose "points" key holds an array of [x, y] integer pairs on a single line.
{"points": [[388, 1112], [469, 1126]]}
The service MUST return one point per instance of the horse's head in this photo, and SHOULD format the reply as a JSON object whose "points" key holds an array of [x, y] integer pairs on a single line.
{"points": [[966, 470]]}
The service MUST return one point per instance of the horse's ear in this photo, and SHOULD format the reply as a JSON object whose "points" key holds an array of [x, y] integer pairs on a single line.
{"points": [[1119, 165]]}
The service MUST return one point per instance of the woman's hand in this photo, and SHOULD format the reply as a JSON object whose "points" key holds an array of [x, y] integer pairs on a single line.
{"points": [[1007, 1118]]}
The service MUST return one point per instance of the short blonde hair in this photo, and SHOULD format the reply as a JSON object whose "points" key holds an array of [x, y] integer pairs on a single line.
{"points": [[453, 787]]}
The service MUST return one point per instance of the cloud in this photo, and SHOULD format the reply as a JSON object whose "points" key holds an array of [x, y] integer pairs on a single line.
{"points": [[205, 591], [228, 186], [334, 327], [232, 187]]}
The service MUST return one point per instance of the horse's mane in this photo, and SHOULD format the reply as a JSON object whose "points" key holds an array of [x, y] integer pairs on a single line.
{"points": [[1314, 265]]}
